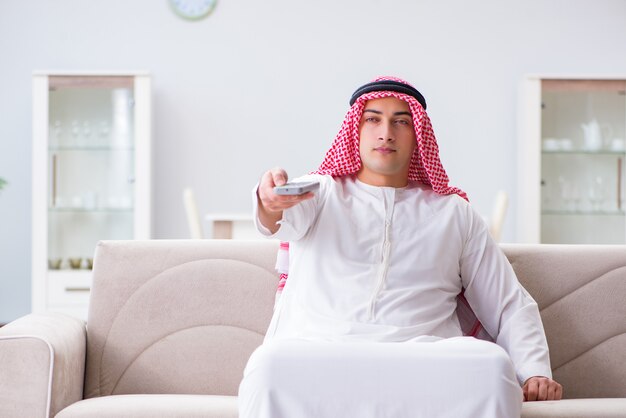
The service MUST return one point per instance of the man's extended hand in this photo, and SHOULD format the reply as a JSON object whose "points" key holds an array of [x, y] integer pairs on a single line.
{"points": [[540, 388], [271, 205]]}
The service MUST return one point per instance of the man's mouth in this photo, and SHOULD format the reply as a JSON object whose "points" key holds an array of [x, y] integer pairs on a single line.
{"points": [[384, 150]]}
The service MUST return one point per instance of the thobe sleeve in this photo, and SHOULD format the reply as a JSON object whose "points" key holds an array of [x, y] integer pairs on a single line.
{"points": [[296, 220], [500, 302]]}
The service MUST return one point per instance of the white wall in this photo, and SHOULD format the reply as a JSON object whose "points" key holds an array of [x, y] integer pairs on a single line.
{"points": [[260, 84]]}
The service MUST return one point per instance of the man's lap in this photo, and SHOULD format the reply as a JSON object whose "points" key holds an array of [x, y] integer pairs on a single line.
{"points": [[342, 376]]}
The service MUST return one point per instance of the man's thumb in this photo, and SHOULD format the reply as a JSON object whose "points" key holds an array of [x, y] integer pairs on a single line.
{"points": [[279, 177]]}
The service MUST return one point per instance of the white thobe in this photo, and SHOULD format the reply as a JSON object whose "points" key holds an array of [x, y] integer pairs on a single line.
{"points": [[384, 264]]}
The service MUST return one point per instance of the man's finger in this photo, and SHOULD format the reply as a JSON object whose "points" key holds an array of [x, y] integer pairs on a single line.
{"points": [[551, 392], [287, 201], [533, 388], [279, 176], [542, 392], [559, 392], [267, 179]]}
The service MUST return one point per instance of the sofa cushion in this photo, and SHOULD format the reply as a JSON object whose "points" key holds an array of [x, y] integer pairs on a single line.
{"points": [[153, 406], [580, 292], [576, 408], [177, 318]]}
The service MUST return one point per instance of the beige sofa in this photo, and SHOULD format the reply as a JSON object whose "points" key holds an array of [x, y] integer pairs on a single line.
{"points": [[172, 323]]}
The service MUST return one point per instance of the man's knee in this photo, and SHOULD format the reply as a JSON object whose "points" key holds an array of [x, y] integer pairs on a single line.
{"points": [[496, 365], [263, 365]]}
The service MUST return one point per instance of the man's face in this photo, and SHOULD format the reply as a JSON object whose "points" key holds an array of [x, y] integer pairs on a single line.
{"points": [[387, 142]]}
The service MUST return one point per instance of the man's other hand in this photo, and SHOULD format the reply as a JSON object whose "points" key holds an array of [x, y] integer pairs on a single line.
{"points": [[540, 388]]}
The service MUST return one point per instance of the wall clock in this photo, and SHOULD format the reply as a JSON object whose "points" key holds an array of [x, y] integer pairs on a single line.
{"points": [[193, 9]]}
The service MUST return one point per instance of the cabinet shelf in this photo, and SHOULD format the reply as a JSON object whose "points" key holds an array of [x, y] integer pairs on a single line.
{"points": [[584, 152], [66, 272], [85, 210], [583, 213], [90, 148]]}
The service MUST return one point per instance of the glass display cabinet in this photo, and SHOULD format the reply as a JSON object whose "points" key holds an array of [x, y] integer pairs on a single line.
{"points": [[91, 178], [571, 161]]}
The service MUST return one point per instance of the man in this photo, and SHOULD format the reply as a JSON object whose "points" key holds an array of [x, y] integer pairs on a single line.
{"points": [[366, 325]]}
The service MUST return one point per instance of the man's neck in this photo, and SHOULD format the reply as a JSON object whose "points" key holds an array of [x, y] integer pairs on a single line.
{"points": [[381, 180]]}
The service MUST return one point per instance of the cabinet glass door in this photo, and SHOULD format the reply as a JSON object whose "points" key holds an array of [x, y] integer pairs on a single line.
{"points": [[583, 128], [91, 163]]}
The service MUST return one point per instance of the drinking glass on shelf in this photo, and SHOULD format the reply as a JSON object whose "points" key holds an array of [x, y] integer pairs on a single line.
{"points": [[570, 194], [103, 132], [576, 198], [75, 130], [86, 133], [597, 193]]}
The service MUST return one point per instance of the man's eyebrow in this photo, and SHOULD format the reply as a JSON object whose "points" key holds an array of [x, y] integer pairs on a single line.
{"points": [[378, 112]]}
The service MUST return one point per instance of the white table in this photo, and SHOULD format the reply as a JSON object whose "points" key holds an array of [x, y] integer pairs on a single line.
{"points": [[231, 226]]}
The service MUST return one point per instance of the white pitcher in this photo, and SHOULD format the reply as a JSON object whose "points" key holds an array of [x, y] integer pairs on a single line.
{"points": [[593, 135]]}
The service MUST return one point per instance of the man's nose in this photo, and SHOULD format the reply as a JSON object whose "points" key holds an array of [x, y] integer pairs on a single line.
{"points": [[385, 133]]}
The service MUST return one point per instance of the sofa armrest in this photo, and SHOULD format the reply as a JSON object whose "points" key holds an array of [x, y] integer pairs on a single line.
{"points": [[42, 363]]}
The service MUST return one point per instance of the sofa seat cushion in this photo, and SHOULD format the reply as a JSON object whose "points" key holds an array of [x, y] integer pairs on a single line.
{"points": [[153, 406], [576, 408]]}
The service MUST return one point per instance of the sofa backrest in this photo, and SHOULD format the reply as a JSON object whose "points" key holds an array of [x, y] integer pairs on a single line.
{"points": [[581, 293], [183, 316], [177, 316]]}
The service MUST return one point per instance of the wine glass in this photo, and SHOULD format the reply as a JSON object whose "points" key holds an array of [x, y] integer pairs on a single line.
{"points": [[597, 193]]}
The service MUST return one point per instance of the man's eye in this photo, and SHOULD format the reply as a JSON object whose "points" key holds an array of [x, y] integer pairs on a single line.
{"points": [[371, 119], [403, 122]]}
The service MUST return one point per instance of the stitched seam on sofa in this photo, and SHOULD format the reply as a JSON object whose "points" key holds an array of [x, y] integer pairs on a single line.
{"points": [[106, 339], [593, 280], [588, 350], [50, 370], [168, 335]]}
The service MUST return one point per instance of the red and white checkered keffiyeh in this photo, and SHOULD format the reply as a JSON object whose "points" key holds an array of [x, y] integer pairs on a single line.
{"points": [[343, 159]]}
